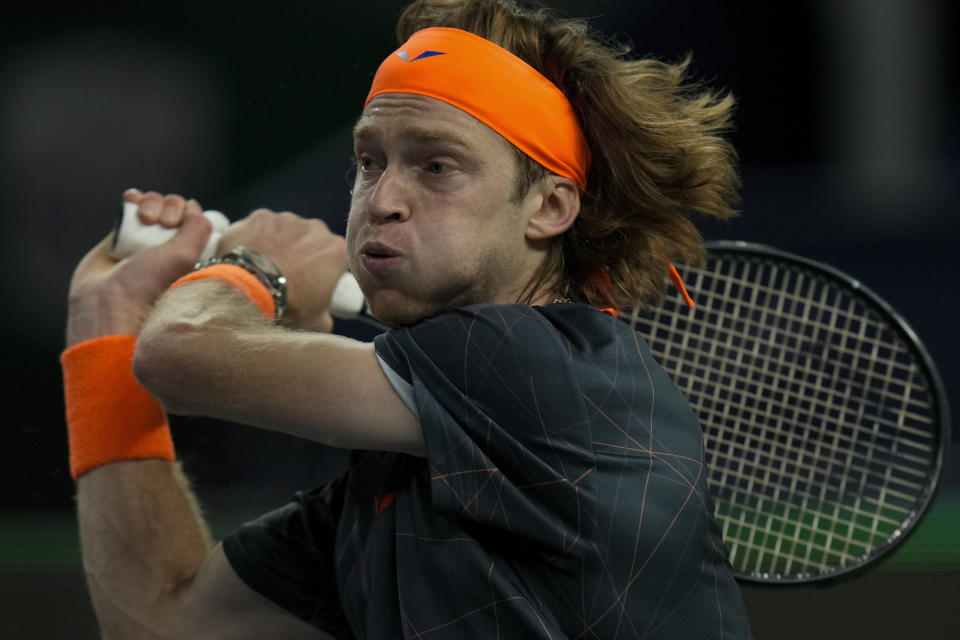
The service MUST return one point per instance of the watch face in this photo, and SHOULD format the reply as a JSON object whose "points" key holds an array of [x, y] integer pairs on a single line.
{"points": [[259, 261]]}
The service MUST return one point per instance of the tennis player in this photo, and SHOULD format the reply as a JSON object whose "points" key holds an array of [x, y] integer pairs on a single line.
{"points": [[521, 466]]}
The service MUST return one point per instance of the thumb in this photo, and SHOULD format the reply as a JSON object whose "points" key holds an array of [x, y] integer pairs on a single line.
{"points": [[193, 234]]}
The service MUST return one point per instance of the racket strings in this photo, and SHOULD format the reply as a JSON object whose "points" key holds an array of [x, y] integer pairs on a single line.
{"points": [[817, 418]]}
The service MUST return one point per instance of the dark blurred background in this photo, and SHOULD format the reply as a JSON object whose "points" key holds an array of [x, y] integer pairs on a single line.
{"points": [[848, 128]]}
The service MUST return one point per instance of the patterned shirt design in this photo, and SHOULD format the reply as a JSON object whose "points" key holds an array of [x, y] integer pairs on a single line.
{"points": [[563, 494]]}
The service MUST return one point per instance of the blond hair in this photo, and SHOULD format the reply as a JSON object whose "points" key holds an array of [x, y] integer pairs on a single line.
{"points": [[657, 146]]}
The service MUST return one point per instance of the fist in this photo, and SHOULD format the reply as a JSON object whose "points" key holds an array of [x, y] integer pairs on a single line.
{"points": [[111, 297], [310, 256]]}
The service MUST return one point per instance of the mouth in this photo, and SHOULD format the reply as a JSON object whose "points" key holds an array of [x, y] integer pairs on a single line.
{"points": [[380, 260], [378, 250]]}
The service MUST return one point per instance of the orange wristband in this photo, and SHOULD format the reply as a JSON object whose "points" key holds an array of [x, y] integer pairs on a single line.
{"points": [[110, 416], [238, 278]]}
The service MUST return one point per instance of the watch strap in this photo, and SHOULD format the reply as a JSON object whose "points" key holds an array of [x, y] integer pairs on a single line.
{"points": [[241, 280], [258, 266]]}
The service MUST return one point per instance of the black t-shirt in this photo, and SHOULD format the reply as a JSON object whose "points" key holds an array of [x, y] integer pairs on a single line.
{"points": [[563, 495]]}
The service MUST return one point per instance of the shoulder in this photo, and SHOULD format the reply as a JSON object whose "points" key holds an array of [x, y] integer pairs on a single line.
{"points": [[515, 337]]}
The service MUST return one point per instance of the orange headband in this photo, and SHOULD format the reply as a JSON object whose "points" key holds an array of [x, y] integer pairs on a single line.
{"points": [[495, 87]]}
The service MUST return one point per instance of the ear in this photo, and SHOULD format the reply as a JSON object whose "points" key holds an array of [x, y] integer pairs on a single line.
{"points": [[559, 207]]}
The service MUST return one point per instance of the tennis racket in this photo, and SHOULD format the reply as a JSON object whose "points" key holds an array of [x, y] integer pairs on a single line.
{"points": [[825, 420]]}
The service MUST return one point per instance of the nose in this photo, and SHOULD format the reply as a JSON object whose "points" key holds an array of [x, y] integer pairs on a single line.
{"points": [[390, 200]]}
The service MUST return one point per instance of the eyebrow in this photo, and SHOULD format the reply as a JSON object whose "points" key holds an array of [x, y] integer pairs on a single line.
{"points": [[418, 135]]}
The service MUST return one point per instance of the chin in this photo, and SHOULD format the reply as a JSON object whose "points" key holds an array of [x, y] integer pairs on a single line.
{"points": [[397, 310], [404, 307]]}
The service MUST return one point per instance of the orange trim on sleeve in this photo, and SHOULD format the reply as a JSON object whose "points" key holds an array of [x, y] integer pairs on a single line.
{"points": [[238, 278], [110, 416]]}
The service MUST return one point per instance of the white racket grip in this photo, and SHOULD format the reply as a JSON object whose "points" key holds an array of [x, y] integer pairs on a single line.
{"points": [[347, 302], [133, 236]]}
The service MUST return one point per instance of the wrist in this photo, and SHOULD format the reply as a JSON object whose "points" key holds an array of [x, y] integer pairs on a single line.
{"points": [[91, 317], [242, 279], [266, 277], [110, 416]]}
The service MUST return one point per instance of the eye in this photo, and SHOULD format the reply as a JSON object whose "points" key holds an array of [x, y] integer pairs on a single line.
{"points": [[436, 167], [367, 165]]}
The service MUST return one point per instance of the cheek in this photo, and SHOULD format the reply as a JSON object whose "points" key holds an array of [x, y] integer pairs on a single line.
{"points": [[353, 227], [447, 245]]}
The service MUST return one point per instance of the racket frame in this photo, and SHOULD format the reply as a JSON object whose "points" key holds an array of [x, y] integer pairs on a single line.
{"points": [[937, 392]]}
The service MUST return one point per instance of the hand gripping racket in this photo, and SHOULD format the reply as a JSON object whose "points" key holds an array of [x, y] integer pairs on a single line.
{"points": [[131, 236], [825, 420]]}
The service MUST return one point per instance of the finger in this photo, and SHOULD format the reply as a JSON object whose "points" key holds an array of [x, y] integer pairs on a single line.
{"points": [[192, 207], [262, 217], [172, 213], [324, 322], [133, 195], [193, 234], [151, 204]]}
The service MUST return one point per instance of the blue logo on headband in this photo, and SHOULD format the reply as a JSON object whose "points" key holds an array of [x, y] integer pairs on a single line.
{"points": [[425, 54]]}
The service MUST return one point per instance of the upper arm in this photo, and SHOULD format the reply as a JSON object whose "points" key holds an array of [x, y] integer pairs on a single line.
{"points": [[221, 605], [212, 354], [327, 388]]}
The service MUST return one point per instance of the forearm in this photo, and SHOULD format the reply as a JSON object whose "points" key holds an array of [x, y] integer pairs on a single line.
{"points": [[196, 347], [205, 350], [143, 542], [146, 551]]}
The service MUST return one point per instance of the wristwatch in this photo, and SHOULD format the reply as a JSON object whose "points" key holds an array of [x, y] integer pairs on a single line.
{"points": [[261, 267]]}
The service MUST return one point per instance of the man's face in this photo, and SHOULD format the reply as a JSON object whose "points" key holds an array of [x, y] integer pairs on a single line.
{"points": [[432, 222]]}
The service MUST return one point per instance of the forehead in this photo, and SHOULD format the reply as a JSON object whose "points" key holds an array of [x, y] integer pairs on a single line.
{"points": [[417, 118]]}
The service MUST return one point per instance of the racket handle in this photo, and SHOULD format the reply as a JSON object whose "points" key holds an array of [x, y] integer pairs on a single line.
{"points": [[131, 236]]}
